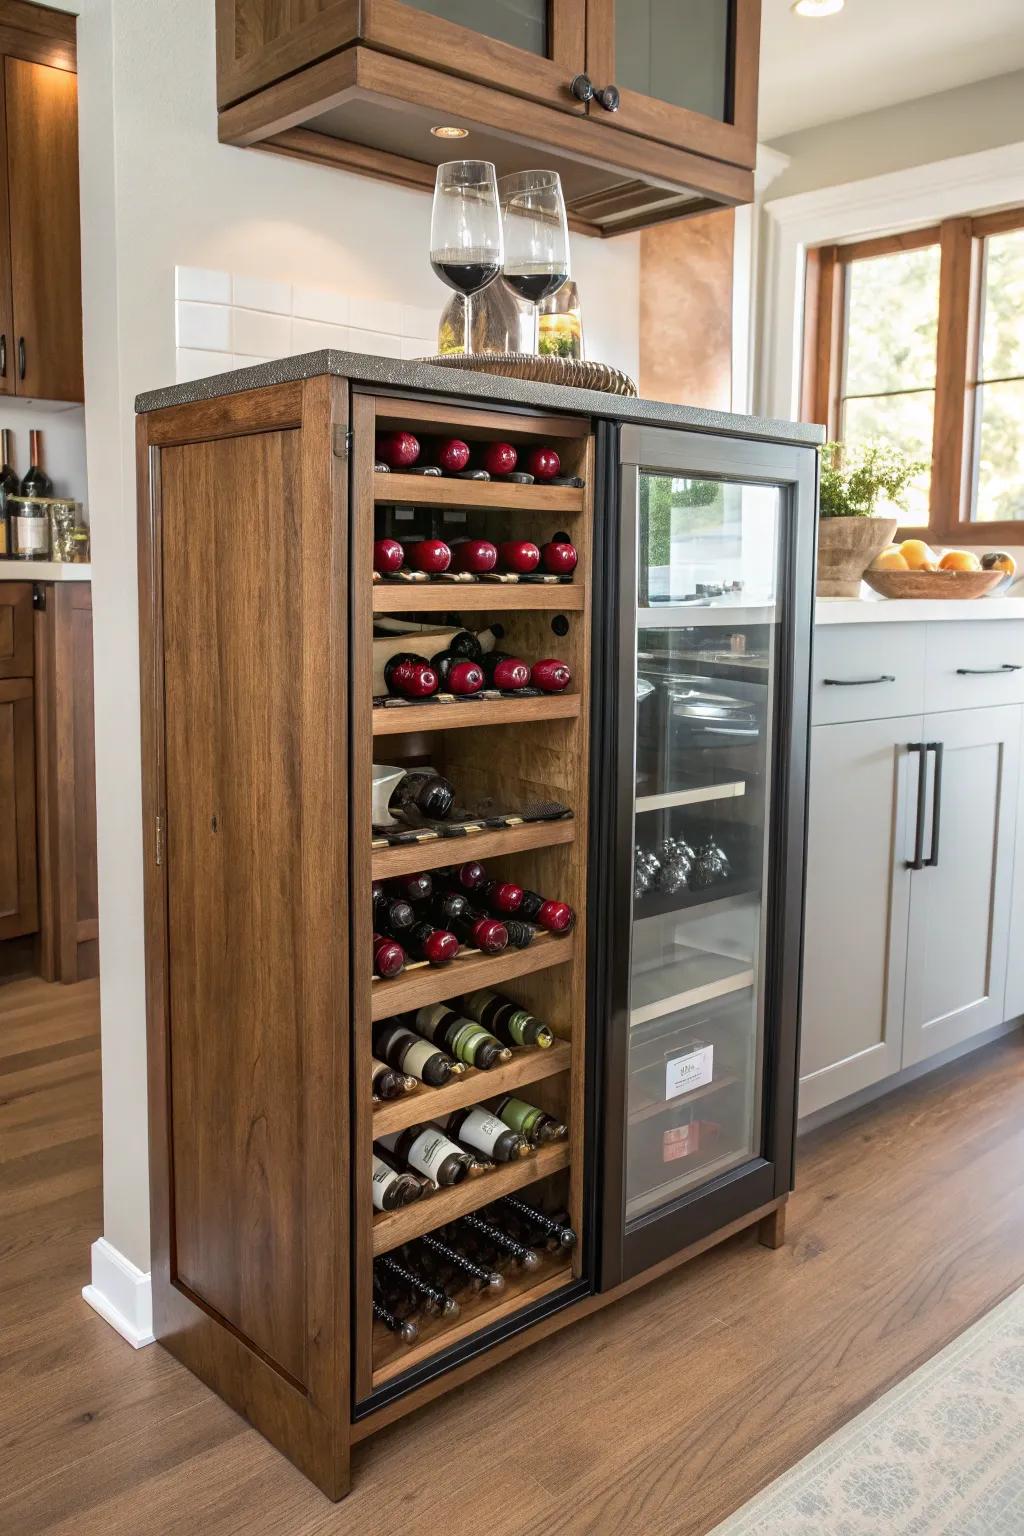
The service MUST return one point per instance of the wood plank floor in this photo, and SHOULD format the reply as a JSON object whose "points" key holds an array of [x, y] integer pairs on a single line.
{"points": [[658, 1416]]}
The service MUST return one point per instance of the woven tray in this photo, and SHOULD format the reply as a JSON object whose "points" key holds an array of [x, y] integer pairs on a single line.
{"points": [[570, 371], [954, 584]]}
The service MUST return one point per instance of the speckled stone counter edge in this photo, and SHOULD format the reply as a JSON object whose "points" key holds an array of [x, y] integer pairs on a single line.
{"points": [[388, 372]]}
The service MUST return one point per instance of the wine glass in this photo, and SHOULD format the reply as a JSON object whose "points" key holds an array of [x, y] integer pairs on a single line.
{"points": [[536, 236], [465, 230]]}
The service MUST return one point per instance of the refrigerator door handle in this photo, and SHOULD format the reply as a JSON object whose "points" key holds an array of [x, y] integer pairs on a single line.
{"points": [[917, 862], [937, 747]]}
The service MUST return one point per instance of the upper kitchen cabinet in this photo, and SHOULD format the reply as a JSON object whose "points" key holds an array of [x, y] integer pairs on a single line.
{"points": [[366, 84]]}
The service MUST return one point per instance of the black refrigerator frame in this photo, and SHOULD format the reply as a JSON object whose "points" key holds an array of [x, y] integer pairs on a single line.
{"points": [[698, 1212]]}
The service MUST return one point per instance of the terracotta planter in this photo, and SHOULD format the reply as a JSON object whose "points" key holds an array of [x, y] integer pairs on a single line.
{"points": [[846, 547]]}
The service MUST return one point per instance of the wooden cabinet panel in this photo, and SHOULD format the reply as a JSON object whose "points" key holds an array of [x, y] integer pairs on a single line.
{"points": [[42, 157], [7, 347], [18, 886], [16, 650]]}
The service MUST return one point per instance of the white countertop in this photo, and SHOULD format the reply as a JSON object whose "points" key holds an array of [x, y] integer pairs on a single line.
{"points": [[893, 610], [44, 570]]}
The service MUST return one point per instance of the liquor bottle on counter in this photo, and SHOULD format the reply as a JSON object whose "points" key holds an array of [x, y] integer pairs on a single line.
{"points": [[9, 486], [392, 1189], [388, 957], [494, 1239], [555, 1230], [484, 1132], [411, 1054], [535, 1124], [433, 1300], [506, 1019], [386, 1083], [428, 1151], [29, 525], [462, 1038], [435, 945], [36, 482]]}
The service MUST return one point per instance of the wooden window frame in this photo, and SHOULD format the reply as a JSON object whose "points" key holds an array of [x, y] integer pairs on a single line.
{"points": [[961, 275]]}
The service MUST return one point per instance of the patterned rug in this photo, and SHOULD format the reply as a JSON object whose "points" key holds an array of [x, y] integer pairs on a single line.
{"points": [[942, 1454]]}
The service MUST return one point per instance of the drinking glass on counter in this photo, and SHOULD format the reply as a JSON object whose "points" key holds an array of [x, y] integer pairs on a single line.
{"points": [[465, 230], [536, 236]]}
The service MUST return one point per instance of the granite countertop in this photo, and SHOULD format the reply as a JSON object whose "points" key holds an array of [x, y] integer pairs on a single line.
{"points": [[44, 570], [388, 372], [890, 610]]}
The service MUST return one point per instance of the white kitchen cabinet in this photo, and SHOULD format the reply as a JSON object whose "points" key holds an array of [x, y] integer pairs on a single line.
{"points": [[1013, 1006]]}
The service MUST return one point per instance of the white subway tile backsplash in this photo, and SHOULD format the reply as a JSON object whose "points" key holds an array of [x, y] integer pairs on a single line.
{"points": [[207, 326], [193, 363], [418, 346], [202, 284], [376, 315], [420, 322], [261, 335], [311, 335], [242, 360], [320, 304], [261, 293], [376, 342]]}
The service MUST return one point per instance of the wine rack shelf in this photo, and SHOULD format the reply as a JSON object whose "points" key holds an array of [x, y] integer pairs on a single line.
{"points": [[480, 495], [477, 596], [391, 1358], [490, 843], [391, 1228], [462, 716], [528, 1065], [422, 984]]}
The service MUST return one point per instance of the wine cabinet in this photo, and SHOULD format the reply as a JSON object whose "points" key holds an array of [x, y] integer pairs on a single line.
{"points": [[357, 854]]}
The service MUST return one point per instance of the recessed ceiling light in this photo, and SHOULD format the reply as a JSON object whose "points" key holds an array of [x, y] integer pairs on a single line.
{"points": [[817, 7], [447, 131]]}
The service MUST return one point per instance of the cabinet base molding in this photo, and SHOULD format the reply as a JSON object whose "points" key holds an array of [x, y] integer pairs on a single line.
{"points": [[121, 1294]]}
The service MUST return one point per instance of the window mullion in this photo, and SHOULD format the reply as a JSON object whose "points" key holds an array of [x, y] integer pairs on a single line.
{"points": [[959, 278]]}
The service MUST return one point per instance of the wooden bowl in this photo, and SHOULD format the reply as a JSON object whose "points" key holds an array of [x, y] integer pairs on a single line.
{"points": [[956, 584]]}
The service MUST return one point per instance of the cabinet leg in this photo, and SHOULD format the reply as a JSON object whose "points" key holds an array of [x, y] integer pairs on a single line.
{"points": [[771, 1229]]}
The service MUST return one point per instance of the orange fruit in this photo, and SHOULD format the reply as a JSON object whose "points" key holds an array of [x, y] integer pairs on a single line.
{"points": [[919, 555], [890, 560], [999, 560], [959, 560]]}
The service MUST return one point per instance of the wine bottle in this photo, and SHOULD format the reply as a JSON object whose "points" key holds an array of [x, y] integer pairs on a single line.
{"points": [[473, 928], [411, 1054], [556, 1229], [393, 914], [386, 1083], [520, 935], [506, 1019], [499, 1239], [461, 1037], [388, 957], [535, 1124], [29, 524], [392, 1189], [434, 1301], [409, 676], [428, 1151], [9, 486], [484, 1132], [508, 673], [465, 877], [550, 675], [405, 1327], [425, 791], [414, 887], [478, 1277], [36, 482], [502, 896], [434, 945], [553, 916], [457, 675]]}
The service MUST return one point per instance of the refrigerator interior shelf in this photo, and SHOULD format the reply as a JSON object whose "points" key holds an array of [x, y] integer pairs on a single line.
{"points": [[700, 1171], [698, 977], [694, 794], [721, 614]]}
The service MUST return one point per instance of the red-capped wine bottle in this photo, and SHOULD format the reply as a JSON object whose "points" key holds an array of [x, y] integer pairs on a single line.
{"points": [[386, 1083], [456, 674], [553, 916], [496, 1237], [455, 912], [409, 676], [434, 945], [484, 1132], [502, 896], [535, 1124], [550, 675], [508, 673], [429, 1151], [414, 887], [477, 1276], [434, 1301], [396, 1045], [462, 1038], [388, 956], [392, 913], [466, 877], [391, 1189], [506, 1020], [477, 556]]}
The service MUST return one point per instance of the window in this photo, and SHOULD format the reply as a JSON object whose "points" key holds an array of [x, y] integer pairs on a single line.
{"points": [[918, 339]]}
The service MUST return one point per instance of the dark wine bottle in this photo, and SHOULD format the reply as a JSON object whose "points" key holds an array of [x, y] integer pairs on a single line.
{"points": [[520, 935], [487, 1232], [506, 1019], [555, 1229], [35, 481], [392, 1189], [478, 1277], [434, 1301], [461, 1037], [435, 945], [502, 896], [472, 928], [386, 1083], [388, 957], [393, 914], [425, 791], [484, 1132], [553, 916], [9, 486], [535, 1124], [411, 1054], [414, 887], [404, 1327], [466, 877], [428, 1151]]}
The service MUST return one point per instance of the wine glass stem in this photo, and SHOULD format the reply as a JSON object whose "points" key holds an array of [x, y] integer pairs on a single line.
{"points": [[535, 347], [468, 347]]}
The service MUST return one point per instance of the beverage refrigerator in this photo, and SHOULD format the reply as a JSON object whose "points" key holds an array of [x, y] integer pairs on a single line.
{"points": [[704, 576]]}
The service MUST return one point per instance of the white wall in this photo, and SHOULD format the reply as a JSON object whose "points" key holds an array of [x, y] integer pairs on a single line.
{"points": [[158, 191]]}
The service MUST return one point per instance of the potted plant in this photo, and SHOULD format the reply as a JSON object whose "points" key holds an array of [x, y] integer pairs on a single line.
{"points": [[855, 483]]}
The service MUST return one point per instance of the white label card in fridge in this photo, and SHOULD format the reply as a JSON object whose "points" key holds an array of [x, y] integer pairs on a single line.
{"points": [[692, 1070]]}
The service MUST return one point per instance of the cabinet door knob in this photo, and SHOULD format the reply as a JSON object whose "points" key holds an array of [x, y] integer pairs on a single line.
{"points": [[609, 98], [582, 88], [21, 357]]}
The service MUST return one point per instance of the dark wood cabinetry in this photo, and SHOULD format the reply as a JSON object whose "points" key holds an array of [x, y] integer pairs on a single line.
{"points": [[362, 85], [19, 907]]}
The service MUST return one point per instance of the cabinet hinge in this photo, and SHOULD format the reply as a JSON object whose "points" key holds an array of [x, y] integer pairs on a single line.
{"points": [[342, 442], [159, 840]]}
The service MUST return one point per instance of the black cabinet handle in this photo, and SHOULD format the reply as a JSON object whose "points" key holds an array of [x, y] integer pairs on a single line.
{"points": [[21, 357], [609, 98], [917, 862], [1007, 666], [936, 747], [582, 88], [857, 682], [3, 356]]}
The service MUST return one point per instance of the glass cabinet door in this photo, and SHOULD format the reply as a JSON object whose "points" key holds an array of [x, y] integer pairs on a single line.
{"points": [[522, 23]]}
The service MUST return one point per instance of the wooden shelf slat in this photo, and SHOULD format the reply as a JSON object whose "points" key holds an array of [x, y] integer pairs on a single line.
{"points": [[482, 596], [490, 843], [456, 717], [422, 984], [480, 495], [528, 1065], [479, 1310], [390, 1228]]}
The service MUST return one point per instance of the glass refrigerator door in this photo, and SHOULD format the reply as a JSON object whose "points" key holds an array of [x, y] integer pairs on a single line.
{"points": [[710, 723]]}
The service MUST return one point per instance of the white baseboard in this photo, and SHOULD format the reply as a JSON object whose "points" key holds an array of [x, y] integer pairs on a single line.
{"points": [[121, 1294]]}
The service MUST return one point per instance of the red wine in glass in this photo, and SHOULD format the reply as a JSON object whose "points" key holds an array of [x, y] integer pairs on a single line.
{"points": [[466, 276], [534, 282]]}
